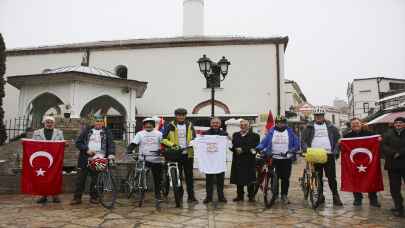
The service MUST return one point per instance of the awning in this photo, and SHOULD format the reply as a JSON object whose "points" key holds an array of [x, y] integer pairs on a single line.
{"points": [[387, 118]]}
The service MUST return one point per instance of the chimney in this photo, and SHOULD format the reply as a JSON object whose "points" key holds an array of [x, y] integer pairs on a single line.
{"points": [[193, 17]]}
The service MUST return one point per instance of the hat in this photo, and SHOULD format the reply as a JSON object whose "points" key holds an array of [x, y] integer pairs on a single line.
{"points": [[98, 117], [401, 119], [51, 118]]}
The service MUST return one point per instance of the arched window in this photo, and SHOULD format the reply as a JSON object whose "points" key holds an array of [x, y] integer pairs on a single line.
{"points": [[121, 71]]}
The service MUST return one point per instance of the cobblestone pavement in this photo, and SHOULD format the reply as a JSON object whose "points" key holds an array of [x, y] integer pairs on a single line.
{"points": [[22, 211]]}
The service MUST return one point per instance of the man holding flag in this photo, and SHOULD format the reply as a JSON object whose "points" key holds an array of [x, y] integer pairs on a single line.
{"points": [[358, 131], [43, 162], [394, 150]]}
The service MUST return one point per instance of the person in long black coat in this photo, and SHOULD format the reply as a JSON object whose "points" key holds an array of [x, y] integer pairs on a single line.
{"points": [[243, 172]]}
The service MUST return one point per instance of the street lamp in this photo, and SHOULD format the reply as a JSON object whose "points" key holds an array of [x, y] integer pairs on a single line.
{"points": [[212, 71]]}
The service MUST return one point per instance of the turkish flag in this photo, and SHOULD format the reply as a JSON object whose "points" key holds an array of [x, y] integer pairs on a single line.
{"points": [[42, 167], [361, 170]]}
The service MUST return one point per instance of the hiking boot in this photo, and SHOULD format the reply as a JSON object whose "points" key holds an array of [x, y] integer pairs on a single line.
{"points": [[337, 201], [75, 202], [357, 202], [207, 200], [284, 199], [238, 199], [42, 200]]}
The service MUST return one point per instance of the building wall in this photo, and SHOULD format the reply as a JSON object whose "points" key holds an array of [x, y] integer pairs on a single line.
{"points": [[173, 75], [366, 92], [33, 64]]}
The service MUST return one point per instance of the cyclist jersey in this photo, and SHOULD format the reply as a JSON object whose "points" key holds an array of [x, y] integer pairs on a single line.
{"points": [[149, 143]]}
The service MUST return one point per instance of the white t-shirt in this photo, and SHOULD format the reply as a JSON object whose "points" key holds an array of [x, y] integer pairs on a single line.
{"points": [[148, 141], [280, 144], [182, 135], [211, 151], [95, 141], [321, 137]]}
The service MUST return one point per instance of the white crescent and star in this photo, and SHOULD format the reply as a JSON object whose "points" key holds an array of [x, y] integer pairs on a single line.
{"points": [[40, 171], [361, 168]]}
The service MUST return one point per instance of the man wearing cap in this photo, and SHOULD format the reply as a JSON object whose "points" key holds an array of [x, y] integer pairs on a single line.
{"points": [[49, 132], [93, 142], [393, 147]]}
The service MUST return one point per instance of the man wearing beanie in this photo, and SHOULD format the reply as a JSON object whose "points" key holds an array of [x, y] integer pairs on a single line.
{"points": [[393, 148]]}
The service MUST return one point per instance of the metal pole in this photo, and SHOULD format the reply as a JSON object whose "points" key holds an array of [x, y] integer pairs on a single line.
{"points": [[212, 95]]}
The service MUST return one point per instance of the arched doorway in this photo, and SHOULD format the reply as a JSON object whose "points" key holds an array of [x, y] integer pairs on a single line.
{"points": [[205, 108], [107, 106], [45, 103]]}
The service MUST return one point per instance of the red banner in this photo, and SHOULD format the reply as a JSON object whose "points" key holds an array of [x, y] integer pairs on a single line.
{"points": [[42, 167], [361, 169]]}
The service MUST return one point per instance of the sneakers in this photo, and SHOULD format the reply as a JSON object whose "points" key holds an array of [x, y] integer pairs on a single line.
{"points": [[42, 200], [207, 200], [337, 201], [75, 202], [357, 202], [284, 199]]}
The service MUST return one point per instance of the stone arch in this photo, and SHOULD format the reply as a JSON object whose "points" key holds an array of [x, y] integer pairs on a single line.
{"points": [[40, 105], [103, 105], [206, 103]]}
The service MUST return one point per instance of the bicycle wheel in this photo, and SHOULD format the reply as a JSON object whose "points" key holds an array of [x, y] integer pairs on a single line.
{"points": [[258, 183], [165, 184], [176, 187], [130, 183], [315, 190], [304, 183], [141, 187], [270, 188], [106, 189]]}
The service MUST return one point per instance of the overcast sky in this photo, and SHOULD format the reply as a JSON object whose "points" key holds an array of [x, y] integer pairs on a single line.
{"points": [[331, 41]]}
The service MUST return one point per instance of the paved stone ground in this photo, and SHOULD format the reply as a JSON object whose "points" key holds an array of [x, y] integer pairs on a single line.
{"points": [[22, 211]]}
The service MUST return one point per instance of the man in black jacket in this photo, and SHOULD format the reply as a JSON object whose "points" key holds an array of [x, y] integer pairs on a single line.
{"points": [[220, 177], [322, 134], [393, 148], [96, 141], [357, 130]]}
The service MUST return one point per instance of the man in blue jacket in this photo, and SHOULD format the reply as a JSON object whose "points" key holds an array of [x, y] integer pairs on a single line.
{"points": [[282, 143]]}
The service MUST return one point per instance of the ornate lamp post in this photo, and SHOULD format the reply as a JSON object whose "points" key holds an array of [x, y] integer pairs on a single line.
{"points": [[211, 72]]}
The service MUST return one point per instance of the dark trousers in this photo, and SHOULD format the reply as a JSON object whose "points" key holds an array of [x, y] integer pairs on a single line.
{"points": [[283, 170], [372, 196], [396, 176], [156, 169], [187, 166], [250, 189], [330, 172], [81, 183], [209, 185]]}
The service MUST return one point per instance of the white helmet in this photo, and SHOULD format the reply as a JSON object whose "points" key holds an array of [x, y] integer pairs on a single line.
{"points": [[319, 110], [149, 120]]}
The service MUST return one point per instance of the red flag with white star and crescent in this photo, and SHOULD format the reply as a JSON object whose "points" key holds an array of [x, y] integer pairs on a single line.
{"points": [[361, 168], [42, 167]]}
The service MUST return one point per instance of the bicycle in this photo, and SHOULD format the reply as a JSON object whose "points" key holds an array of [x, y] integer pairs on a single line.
{"points": [[137, 180], [267, 179], [310, 183], [106, 188], [171, 174]]}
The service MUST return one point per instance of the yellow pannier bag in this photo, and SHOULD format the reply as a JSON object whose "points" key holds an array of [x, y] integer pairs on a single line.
{"points": [[316, 155]]}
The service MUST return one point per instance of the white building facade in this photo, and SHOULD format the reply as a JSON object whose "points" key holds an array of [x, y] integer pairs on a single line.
{"points": [[363, 94], [253, 85]]}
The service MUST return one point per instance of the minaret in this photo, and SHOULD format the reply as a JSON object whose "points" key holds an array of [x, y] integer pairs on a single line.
{"points": [[193, 17]]}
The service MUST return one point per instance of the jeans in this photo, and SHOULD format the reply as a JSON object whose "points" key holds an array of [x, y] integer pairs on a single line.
{"points": [[187, 166], [330, 172], [283, 170], [156, 169]]}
